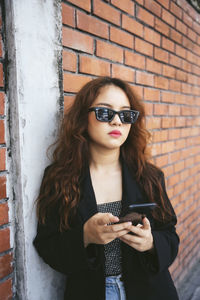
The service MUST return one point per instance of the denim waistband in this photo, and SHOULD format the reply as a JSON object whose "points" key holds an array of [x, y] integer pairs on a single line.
{"points": [[114, 278]]}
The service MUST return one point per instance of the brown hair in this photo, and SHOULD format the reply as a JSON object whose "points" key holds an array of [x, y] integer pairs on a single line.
{"points": [[61, 184]]}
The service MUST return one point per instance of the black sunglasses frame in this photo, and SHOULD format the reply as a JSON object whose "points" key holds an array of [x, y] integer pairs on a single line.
{"points": [[119, 113]]}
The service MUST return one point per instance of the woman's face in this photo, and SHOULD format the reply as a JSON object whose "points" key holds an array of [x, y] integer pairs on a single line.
{"points": [[109, 135]]}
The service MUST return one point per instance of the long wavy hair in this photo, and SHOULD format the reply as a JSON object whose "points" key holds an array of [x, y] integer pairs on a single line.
{"points": [[61, 183]]}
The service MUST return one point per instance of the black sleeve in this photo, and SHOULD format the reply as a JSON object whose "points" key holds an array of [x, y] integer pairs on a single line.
{"points": [[166, 242], [64, 251]]}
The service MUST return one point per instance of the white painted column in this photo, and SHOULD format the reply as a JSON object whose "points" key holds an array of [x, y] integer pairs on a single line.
{"points": [[34, 45]]}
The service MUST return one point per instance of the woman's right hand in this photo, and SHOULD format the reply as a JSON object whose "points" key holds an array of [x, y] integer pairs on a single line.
{"points": [[97, 231]]}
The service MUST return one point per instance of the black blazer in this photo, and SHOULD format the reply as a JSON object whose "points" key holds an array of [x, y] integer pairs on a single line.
{"points": [[146, 276]]}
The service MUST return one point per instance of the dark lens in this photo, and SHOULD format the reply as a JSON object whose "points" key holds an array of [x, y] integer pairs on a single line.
{"points": [[104, 114], [129, 116]]}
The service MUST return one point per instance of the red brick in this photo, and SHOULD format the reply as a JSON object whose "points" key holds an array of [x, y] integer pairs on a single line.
{"points": [[143, 47], [162, 27], [168, 97], [174, 110], [2, 159], [152, 36], [182, 76], [1, 75], [153, 123], [144, 78], [77, 40], [2, 132], [153, 66], [174, 134], [180, 51], [168, 44], [175, 60], [161, 55], [192, 35], [168, 18], [6, 290], [186, 88], [161, 82], [187, 20], [5, 265], [161, 109], [156, 149], [145, 16], [121, 37], [169, 71], [153, 95], [176, 10], [91, 65], [160, 136], [2, 103], [69, 61], [137, 90], [174, 85], [73, 83], [196, 27], [68, 101], [123, 72], [162, 160], [106, 12], [84, 4], [177, 37], [148, 108], [92, 25], [165, 3], [125, 5], [4, 239], [153, 7], [2, 187], [167, 147], [187, 43], [134, 60], [131, 25], [3, 214], [109, 51], [180, 26], [68, 15]]}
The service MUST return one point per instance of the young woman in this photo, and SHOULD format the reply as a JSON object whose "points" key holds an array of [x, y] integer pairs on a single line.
{"points": [[100, 166]]}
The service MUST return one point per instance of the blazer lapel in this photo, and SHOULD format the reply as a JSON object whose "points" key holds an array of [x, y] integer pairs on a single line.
{"points": [[131, 189], [87, 206]]}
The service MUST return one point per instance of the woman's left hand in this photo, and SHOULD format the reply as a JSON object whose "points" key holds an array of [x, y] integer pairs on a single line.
{"points": [[142, 240]]}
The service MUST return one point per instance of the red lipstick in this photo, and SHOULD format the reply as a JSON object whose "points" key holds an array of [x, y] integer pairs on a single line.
{"points": [[115, 133]]}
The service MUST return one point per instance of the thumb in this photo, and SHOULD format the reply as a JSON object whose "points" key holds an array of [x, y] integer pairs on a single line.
{"points": [[146, 224]]}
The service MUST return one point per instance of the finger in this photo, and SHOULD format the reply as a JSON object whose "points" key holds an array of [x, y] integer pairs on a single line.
{"points": [[139, 231], [146, 224], [114, 235], [131, 239], [118, 227], [106, 218]]}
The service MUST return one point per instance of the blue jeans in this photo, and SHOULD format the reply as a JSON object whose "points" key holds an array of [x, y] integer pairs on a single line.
{"points": [[115, 288]]}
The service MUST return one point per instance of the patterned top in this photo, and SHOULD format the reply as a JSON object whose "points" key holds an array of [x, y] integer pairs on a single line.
{"points": [[112, 250]]}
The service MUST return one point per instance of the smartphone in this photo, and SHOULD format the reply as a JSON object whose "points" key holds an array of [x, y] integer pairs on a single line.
{"points": [[136, 212]]}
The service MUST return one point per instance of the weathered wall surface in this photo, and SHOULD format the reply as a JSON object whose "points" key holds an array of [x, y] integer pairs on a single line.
{"points": [[34, 95], [6, 244], [155, 46]]}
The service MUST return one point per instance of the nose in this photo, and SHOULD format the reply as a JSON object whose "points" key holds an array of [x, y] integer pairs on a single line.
{"points": [[116, 120]]}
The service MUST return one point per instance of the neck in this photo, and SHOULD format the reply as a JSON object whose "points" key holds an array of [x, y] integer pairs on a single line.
{"points": [[104, 159]]}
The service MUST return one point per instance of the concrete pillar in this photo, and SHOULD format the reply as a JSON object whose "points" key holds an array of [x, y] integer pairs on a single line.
{"points": [[35, 98]]}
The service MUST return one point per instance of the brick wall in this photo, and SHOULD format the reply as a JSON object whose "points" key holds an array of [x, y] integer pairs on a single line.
{"points": [[6, 254], [155, 46]]}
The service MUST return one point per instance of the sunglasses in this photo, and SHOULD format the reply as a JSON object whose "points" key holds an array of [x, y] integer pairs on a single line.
{"points": [[104, 114]]}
